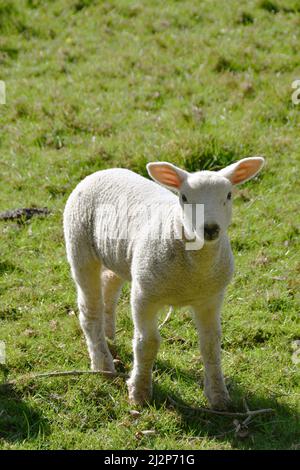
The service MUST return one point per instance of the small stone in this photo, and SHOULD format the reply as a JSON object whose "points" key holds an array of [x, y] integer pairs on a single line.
{"points": [[242, 433], [296, 344], [29, 332], [117, 361], [148, 432], [53, 324], [134, 413]]}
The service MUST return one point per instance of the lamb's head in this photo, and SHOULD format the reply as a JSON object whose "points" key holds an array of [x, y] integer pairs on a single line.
{"points": [[211, 189]]}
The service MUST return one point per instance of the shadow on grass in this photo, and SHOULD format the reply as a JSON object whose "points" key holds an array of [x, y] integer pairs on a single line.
{"points": [[18, 420], [6, 267], [279, 430]]}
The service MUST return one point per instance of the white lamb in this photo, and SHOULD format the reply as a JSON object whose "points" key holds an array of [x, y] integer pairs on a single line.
{"points": [[110, 237]]}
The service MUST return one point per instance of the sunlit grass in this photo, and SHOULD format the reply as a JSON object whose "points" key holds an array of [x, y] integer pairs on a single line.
{"points": [[92, 85]]}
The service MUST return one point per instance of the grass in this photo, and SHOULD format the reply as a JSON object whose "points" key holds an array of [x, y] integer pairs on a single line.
{"points": [[92, 85]]}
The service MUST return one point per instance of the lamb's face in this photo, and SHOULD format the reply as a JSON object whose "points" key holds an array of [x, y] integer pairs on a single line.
{"points": [[214, 193], [211, 190]]}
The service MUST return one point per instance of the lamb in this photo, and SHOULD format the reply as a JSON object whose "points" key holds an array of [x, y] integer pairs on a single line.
{"points": [[169, 259]]}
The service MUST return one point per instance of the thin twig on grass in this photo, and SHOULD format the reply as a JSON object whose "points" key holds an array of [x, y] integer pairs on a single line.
{"points": [[103, 373], [246, 414], [216, 436]]}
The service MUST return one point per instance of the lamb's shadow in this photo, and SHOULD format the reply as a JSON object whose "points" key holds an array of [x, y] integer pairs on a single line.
{"points": [[277, 430], [18, 419]]}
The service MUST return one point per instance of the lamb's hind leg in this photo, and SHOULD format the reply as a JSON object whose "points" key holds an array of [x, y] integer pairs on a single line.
{"points": [[87, 278], [111, 286]]}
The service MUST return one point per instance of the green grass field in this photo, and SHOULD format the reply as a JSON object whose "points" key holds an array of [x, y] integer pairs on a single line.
{"points": [[93, 85]]}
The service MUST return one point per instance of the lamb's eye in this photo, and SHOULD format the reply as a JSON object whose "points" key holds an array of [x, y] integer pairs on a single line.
{"points": [[183, 198], [229, 196]]}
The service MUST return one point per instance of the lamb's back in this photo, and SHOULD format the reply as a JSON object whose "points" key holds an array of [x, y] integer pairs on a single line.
{"points": [[99, 206]]}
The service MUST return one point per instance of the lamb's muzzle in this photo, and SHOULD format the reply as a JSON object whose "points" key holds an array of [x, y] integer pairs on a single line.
{"points": [[211, 232]]}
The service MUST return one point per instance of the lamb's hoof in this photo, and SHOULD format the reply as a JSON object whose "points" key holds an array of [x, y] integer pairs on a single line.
{"points": [[218, 398], [138, 395], [220, 402], [106, 366]]}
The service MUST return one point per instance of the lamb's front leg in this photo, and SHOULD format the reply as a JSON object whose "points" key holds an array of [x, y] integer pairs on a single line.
{"points": [[207, 319], [145, 347]]}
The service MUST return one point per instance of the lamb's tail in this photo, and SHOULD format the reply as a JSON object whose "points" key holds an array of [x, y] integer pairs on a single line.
{"points": [[170, 311]]}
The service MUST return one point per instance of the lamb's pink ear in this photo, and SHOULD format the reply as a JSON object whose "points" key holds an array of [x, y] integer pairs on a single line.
{"points": [[243, 170], [167, 174]]}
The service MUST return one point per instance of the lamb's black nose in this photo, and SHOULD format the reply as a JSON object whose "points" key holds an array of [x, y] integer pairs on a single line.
{"points": [[211, 231]]}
